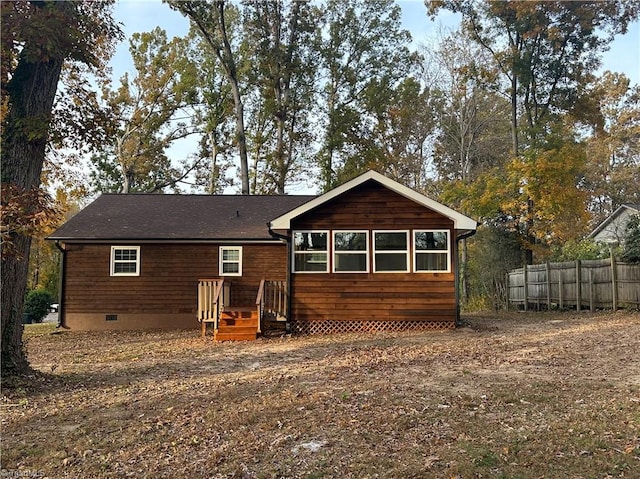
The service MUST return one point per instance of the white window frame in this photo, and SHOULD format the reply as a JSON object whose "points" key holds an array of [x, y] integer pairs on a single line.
{"points": [[376, 251], [222, 262], [113, 261], [431, 251], [294, 252], [365, 253]]}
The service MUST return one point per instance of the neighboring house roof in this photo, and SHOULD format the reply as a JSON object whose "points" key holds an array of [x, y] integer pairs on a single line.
{"points": [[123, 217], [614, 227], [460, 221]]}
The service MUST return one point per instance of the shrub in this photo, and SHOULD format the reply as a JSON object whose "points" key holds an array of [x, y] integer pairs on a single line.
{"points": [[36, 304], [631, 252]]}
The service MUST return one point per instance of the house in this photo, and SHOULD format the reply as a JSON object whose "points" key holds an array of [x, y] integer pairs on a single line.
{"points": [[369, 255], [613, 229]]}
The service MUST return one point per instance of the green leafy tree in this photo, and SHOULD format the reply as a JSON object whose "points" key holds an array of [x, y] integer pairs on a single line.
{"points": [[285, 69], [364, 54], [546, 53], [214, 20], [631, 252], [37, 39], [585, 248], [151, 111], [610, 112]]}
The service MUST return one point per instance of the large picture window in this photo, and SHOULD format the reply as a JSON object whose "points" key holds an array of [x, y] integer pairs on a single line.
{"points": [[230, 261], [431, 251], [391, 251], [310, 252], [125, 261], [350, 251]]}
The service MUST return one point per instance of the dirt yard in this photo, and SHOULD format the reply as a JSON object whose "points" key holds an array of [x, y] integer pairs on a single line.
{"points": [[537, 395]]}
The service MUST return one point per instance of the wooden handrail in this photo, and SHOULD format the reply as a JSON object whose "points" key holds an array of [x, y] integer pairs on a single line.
{"points": [[260, 296], [209, 302]]}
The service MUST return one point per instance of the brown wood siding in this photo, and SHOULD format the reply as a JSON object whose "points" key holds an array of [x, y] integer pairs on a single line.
{"points": [[167, 282], [374, 296]]}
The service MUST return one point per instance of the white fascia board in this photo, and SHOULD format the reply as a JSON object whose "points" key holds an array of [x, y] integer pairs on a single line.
{"points": [[460, 222], [611, 218]]}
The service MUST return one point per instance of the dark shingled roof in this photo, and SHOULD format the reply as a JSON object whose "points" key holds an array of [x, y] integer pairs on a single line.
{"points": [[177, 217]]}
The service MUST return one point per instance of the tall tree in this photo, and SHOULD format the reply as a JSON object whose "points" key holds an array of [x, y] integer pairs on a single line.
{"points": [[364, 52], [211, 19], [546, 52], [37, 38], [283, 36], [150, 112], [214, 117], [473, 118], [611, 113]]}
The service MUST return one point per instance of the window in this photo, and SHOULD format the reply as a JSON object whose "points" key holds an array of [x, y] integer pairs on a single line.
{"points": [[431, 251], [391, 251], [310, 252], [125, 261], [230, 260], [350, 252]]}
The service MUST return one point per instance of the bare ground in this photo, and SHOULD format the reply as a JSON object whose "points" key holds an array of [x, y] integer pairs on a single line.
{"points": [[538, 395]]}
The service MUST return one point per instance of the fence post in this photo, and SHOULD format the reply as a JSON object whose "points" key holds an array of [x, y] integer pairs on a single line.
{"points": [[508, 292], [526, 288], [614, 281], [548, 278], [561, 292], [591, 291], [578, 285]]}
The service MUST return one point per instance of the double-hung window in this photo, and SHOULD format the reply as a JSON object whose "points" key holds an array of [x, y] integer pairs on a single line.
{"points": [[125, 261], [310, 252], [431, 251], [391, 251], [230, 260], [350, 252]]}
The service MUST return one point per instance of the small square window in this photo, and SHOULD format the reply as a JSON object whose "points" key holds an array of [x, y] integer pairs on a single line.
{"points": [[125, 261], [230, 260]]}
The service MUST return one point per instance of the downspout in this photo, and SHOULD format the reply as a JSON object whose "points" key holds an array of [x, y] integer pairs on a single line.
{"points": [[61, 283], [286, 239], [466, 235]]}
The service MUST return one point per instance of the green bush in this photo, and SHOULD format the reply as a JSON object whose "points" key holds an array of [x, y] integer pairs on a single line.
{"points": [[36, 304], [631, 252]]}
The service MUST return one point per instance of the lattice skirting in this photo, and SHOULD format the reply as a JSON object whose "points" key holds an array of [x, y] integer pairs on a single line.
{"points": [[351, 326]]}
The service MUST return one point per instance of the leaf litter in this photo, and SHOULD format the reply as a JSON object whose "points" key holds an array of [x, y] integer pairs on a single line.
{"points": [[512, 395]]}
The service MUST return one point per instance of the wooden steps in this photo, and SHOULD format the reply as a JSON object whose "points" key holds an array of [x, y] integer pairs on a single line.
{"points": [[237, 324]]}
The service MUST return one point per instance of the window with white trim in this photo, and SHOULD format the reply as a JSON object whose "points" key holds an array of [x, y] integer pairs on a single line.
{"points": [[431, 251], [391, 251], [230, 260], [125, 261], [310, 252], [350, 251]]}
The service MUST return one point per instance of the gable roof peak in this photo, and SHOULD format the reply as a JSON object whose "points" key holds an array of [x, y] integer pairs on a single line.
{"points": [[460, 221]]}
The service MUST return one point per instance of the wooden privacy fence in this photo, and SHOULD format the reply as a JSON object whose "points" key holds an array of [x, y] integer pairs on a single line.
{"points": [[593, 284]]}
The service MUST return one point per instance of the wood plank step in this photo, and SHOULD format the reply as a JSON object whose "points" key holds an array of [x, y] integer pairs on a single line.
{"points": [[234, 336], [238, 322], [238, 329], [239, 314]]}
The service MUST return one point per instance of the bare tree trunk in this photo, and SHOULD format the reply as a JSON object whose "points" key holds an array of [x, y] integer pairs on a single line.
{"points": [[31, 93]]}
